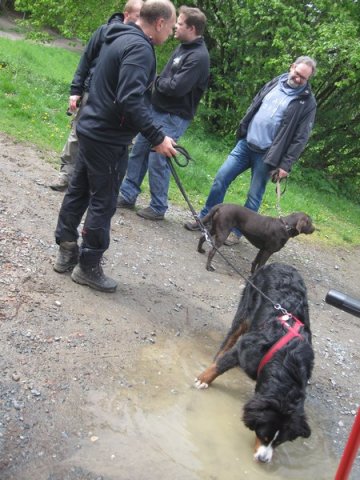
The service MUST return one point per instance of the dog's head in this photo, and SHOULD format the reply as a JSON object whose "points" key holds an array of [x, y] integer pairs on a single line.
{"points": [[273, 424], [301, 223]]}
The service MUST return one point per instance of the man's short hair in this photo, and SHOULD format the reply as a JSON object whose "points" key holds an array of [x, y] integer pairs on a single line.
{"points": [[152, 10], [194, 18], [308, 61], [132, 5]]}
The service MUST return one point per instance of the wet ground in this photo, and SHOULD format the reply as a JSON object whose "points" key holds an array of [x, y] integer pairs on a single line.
{"points": [[99, 386]]}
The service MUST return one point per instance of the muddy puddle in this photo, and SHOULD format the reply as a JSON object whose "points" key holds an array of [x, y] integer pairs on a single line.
{"points": [[154, 424]]}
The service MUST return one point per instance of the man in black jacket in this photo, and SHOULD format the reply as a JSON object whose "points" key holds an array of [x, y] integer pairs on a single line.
{"points": [[80, 85], [271, 136], [119, 106], [176, 95]]}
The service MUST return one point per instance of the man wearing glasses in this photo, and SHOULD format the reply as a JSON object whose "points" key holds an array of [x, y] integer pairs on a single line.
{"points": [[271, 136]]}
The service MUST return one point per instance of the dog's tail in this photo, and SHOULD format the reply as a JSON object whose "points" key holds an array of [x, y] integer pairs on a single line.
{"points": [[208, 217]]}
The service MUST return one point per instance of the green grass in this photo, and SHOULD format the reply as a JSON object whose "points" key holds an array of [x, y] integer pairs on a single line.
{"points": [[34, 86]]}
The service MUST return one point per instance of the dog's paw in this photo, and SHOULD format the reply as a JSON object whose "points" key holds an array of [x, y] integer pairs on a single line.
{"points": [[200, 385]]}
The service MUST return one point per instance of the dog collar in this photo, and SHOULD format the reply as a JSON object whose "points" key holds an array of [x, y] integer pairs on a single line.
{"points": [[286, 225], [293, 331]]}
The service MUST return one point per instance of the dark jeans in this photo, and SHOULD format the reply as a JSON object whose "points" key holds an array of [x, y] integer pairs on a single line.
{"points": [[99, 170]]}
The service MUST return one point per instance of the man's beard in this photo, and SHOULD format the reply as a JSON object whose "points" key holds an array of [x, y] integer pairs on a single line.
{"points": [[291, 82]]}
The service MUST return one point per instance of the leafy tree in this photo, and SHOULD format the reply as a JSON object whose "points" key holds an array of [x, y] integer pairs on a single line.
{"points": [[70, 17]]}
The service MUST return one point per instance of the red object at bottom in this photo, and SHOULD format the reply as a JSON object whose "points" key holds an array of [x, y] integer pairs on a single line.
{"points": [[350, 451]]}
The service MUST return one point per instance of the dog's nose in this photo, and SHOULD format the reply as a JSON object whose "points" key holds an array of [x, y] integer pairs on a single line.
{"points": [[264, 454]]}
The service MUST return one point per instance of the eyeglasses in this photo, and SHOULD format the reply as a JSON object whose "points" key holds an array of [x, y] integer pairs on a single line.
{"points": [[297, 74]]}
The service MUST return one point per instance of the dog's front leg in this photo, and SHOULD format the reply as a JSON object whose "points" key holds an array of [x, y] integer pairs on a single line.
{"points": [[206, 377], [200, 244], [224, 363], [261, 258], [209, 267]]}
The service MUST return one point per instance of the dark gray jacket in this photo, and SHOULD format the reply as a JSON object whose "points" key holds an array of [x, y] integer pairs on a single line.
{"points": [[294, 130], [119, 104], [87, 63], [183, 81]]}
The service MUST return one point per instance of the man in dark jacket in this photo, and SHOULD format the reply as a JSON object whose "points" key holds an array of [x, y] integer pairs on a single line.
{"points": [[271, 136], [80, 87], [119, 106], [176, 95]]}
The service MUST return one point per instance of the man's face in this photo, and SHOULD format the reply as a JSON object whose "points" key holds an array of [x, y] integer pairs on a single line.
{"points": [[164, 28], [299, 75], [182, 31], [134, 14]]}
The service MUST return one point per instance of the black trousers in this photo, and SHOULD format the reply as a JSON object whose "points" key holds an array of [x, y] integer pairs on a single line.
{"points": [[94, 186]]}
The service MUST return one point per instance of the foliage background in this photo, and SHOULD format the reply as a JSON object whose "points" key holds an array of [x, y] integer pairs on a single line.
{"points": [[251, 41]]}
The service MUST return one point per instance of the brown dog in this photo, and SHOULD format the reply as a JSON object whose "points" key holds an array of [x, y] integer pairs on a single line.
{"points": [[269, 234]]}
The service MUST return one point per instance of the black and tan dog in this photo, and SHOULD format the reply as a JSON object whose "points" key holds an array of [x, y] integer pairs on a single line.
{"points": [[274, 349], [269, 234]]}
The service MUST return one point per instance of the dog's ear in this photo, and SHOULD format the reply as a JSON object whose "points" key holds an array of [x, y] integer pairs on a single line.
{"points": [[298, 427], [301, 223], [259, 411]]}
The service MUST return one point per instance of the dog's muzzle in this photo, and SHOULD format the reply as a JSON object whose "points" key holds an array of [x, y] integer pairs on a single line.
{"points": [[264, 453]]}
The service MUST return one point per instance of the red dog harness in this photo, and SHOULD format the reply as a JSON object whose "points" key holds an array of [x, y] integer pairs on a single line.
{"points": [[293, 331]]}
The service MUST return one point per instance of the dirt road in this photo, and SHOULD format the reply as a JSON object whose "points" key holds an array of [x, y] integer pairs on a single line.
{"points": [[99, 386]]}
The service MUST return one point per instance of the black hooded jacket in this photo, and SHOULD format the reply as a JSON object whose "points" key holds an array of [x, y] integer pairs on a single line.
{"points": [[120, 92], [87, 63]]}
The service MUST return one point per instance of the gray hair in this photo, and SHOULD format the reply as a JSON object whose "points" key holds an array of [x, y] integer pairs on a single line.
{"points": [[308, 61]]}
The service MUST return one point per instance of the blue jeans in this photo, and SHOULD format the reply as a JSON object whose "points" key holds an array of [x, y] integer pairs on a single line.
{"points": [[240, 159], [142, 159]]}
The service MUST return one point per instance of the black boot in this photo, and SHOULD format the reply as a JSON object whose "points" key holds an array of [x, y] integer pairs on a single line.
{"points": [[93, 276], [67, 258]]}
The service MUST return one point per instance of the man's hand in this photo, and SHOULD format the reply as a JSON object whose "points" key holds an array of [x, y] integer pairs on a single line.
{"points": [[282, 173], [166, 147], [74, 102]]}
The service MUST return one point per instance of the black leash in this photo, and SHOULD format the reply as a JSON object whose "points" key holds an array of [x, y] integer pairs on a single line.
{"points": [[202, 227]]}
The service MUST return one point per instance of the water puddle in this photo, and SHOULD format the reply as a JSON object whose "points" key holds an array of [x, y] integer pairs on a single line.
{"points": [[154, 424]]}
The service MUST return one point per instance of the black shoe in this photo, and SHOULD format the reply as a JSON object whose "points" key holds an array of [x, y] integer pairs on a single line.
{"points": [[122, 203], [67, 258], [93, 276], [150, 214], [192, 226]]}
